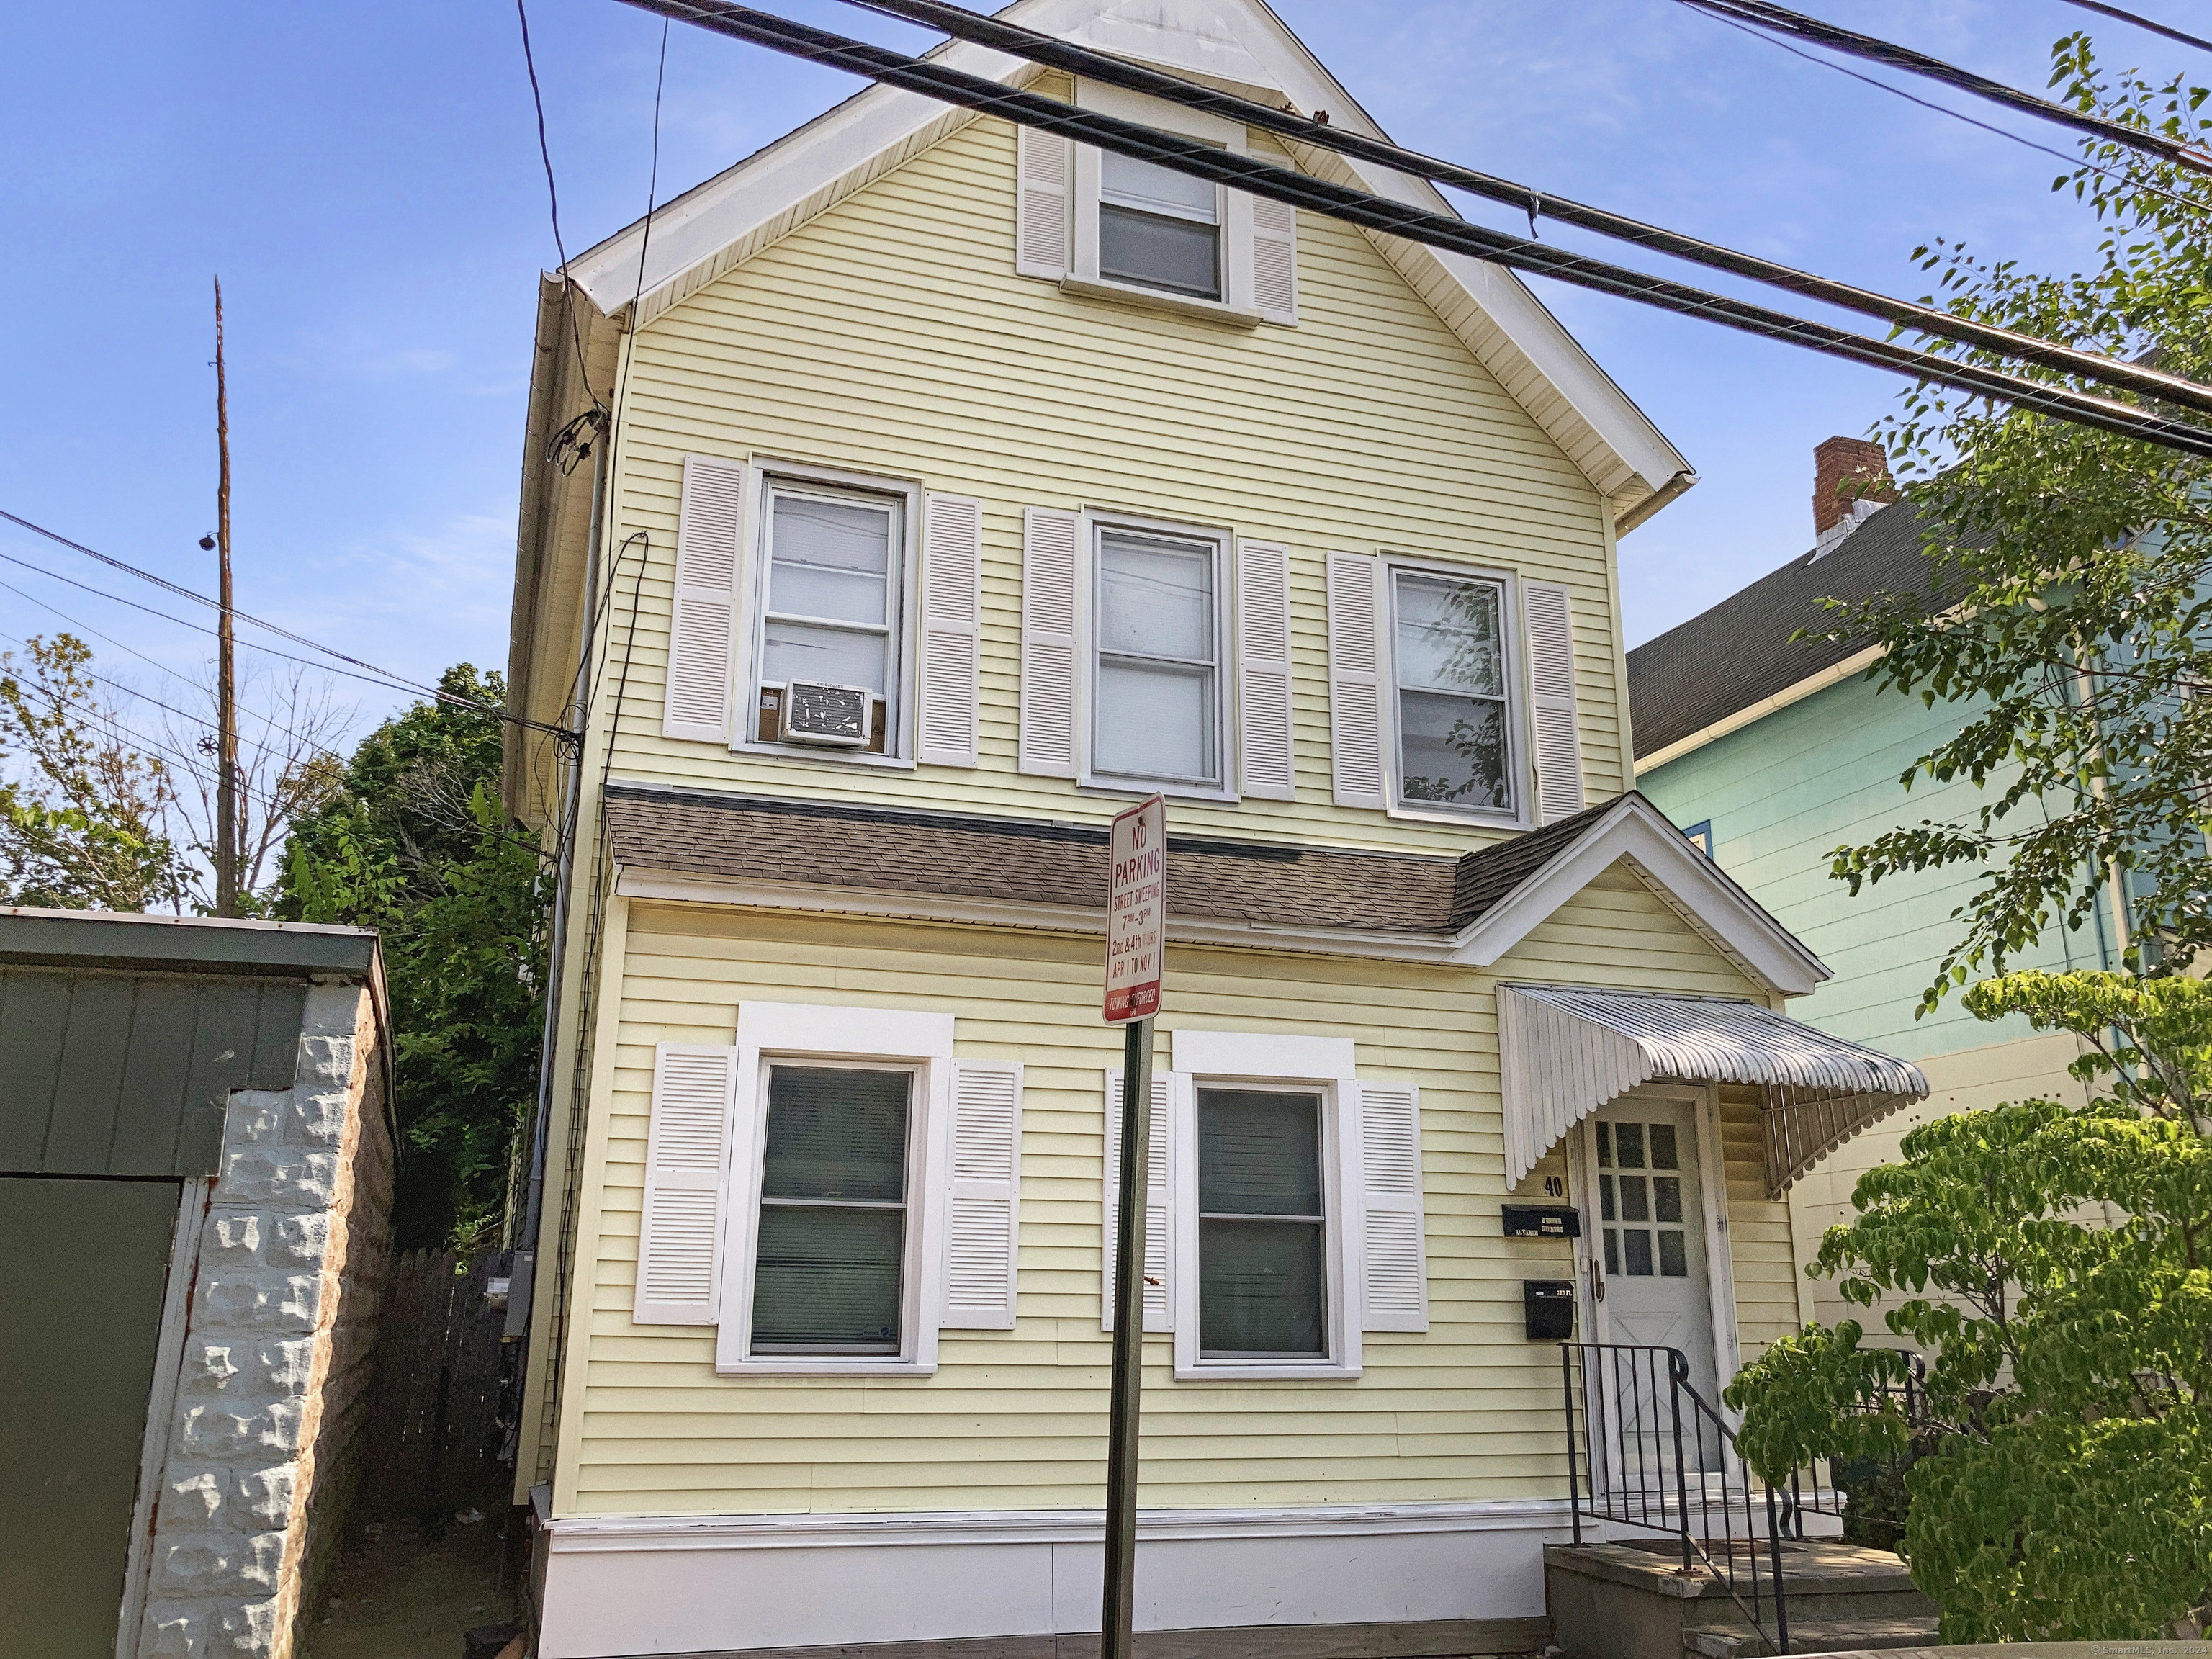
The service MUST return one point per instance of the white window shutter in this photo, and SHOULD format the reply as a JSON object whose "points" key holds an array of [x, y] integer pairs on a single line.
{"points": [[951, 628], [1049, 654], [687, 1159], [1043, 192], [1275, 260], [1394, 1279], [1551, 699], [1159, 1205], [703, 631], [1355, 680], [983, 1227], [1263, 637]]}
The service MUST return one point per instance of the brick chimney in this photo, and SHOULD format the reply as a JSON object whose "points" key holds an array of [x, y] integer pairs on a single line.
{"points": [[1850, 481]]}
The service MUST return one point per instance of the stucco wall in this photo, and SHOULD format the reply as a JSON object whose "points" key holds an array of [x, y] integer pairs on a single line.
{"points": [[291, 1261]]}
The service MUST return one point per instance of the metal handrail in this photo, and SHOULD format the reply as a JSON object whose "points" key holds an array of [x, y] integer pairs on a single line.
{"points": [[1628, 1474]]}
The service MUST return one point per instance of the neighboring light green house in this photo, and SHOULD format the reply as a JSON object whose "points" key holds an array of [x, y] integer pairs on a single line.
{"points": [[1772, 753]]}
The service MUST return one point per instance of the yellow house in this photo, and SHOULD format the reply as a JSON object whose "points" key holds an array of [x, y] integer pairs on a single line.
{"points": [[919, 495]]}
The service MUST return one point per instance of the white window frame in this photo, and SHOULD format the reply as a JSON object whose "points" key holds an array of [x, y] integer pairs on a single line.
{"points": [[1233, 209], [884, 1039], [763, 475], [1090, 573], [1515, 647], [1310, 1066]]}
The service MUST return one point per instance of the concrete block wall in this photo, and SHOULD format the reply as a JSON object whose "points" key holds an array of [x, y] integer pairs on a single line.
{"points": [[278, 1353]]}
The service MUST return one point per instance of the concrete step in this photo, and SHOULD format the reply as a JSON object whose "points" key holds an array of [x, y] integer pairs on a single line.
{"points": [[1815, 1636]]}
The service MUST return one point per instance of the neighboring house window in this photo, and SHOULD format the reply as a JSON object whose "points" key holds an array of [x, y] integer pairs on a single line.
{"points": [[1263, 1242], [1157, 704], [1700, 836], [1455, 744], [831, 561], [831, 1257], [1157, 228]]}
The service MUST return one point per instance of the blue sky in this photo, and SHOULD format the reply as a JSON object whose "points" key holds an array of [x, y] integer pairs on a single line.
{"points": [[367, 181]]}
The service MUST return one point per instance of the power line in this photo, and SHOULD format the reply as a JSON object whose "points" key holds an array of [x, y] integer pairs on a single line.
{"points": [[1002, 36], [384, 675], [1177, 153], [553, 196], [2142, 23], [1762, 14]]}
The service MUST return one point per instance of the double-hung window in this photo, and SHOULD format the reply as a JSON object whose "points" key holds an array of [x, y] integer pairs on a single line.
{"points": [[830, 1266], [831, 564], [1158, 229], [1263, 1242], [1454, 718], [1156, 702]]}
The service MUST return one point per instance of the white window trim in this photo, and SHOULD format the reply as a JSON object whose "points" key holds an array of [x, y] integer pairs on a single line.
{"points": [[1518, 739], [761, 473], [1086, 668], [1233, 210], [800, 1032], [1243, 1060]]}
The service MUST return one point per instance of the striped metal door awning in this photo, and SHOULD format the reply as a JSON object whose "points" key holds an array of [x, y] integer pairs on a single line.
{"points": [[1566, 1051]]}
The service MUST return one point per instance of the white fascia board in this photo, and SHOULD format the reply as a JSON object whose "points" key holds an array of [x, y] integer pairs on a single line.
{"points": [[1636, 831]]}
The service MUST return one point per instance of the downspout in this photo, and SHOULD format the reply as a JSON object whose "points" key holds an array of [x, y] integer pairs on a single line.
{"points": [[523, 1278]]}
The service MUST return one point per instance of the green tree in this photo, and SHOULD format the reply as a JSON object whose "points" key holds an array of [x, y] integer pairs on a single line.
{"points": [[413, 845], [84, 819], [2068, 596], [2057, 1263]]}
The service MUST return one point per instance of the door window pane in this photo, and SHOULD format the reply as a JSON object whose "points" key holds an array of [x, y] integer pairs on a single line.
{"points": [[1666, 1197], [1262, 1267], [1605, 1197], [1674, 1256], [1637, 1244], [1635, 1201], [1612, 1251], [832, 1240], [1155, 711], [1450, 665], [1629, 1137], [1604, 1145], [1663, 1146]]}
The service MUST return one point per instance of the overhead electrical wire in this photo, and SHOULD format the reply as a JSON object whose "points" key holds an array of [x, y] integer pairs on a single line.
{"points": [[552, 194], [380, 676], [992, 32], [1178, 153], [2142, 23], [1762, 14]]}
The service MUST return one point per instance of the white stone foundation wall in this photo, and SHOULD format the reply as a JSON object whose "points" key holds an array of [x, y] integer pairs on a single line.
{"points": [[278, 1350]]}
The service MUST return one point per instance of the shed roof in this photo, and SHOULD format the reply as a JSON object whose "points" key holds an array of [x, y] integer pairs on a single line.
{"points": [[182, 943]]}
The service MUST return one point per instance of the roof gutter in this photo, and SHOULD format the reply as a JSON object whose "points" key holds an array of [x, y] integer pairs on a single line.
{"points": [[1678, 485], [1857, 662]]}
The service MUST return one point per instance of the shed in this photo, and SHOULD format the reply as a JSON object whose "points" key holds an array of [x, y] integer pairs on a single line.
{"points": [[195, 1157]]}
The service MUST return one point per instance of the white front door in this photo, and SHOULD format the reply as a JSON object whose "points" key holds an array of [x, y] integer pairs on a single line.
{"points": [[1651, 1231]]}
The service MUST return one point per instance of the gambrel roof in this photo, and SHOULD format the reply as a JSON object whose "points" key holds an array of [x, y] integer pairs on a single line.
{"points": [[1237, 45]]}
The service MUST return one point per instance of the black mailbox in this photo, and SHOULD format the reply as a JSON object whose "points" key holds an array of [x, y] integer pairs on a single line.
{"points": [[1543, 1221], [1549, 1305]]}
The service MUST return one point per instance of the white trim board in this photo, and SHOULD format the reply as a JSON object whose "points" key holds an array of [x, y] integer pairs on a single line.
{"points": [[1631, 830], [1237, 43], [671, 1584]]}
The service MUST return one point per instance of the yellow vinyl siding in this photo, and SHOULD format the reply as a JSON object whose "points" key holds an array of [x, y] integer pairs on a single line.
{"points": [[1015, 1419], [889, 336]]}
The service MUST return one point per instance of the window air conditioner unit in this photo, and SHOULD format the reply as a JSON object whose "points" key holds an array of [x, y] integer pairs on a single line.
{"points": [[830, 716]]}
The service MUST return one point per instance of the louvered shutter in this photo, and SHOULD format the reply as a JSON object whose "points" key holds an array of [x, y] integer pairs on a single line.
{"points": [[1045, 166], [1159, 1204], [1049, 654], [1275, 260], [1263, 634], [1395, 1289], [680, 1245], [1355, 680], [1551, 699], [982, 1226], [951, 628], [703, 631]]}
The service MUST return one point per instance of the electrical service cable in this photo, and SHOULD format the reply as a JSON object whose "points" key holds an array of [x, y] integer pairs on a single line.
{"points": [[1192, 156], [382, 676], [1002, 36], [1762, 14], [2142, 23], [552, 192]]}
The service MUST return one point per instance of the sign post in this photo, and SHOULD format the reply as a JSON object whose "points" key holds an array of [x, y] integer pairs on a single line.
{"points": [[1136, 945]]}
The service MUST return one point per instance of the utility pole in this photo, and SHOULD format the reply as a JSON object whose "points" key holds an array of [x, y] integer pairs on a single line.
{"points": [[226, 697]]}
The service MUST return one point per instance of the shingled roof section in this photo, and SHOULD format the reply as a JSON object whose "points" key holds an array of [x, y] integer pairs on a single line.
{"points": [[879, 849], [1741, 652]]}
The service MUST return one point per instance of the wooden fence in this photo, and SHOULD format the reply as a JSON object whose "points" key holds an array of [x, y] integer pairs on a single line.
{"points": [[432, 1441]]}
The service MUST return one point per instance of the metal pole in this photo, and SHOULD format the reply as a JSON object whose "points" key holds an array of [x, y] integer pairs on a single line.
{"points": [[226, 677], [1676, 1366], [1774, 1554], [1118, 1606], [1574, 1488]]}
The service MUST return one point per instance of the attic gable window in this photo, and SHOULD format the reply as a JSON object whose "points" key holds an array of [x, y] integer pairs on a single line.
{"points": [[1157, 228]]}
